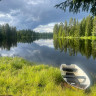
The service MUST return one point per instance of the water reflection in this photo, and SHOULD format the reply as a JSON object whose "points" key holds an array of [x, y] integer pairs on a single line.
{"points": [[12, 42], [7, 43], [74, 46], [47, 42]]}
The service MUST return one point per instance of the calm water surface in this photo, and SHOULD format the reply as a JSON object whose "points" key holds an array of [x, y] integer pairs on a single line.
{"points": [[46, 51]]}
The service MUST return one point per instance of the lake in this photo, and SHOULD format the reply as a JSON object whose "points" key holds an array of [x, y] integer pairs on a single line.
{"points": [[56, 52]]}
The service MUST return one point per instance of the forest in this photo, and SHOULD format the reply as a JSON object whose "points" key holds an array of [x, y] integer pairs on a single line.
{"points": [[76, 28], [9, 36], [9, 32]]}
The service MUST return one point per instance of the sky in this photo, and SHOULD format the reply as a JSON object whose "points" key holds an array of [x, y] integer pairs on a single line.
{"points": [[38, 15]]}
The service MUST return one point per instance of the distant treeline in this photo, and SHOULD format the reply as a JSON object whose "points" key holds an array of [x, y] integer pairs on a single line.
{"points": [[9, 36], [74, 28], [7, 31], [31, 33]]}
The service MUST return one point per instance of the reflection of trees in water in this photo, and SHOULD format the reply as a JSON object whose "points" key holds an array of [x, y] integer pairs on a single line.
{"points": [[26, 39], [88, 48], [94, 48], [12, 42], [74, 46], [30, 39], [8, 43], [75, 6]]}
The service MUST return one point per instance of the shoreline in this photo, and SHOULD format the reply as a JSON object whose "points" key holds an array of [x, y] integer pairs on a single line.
{"points": [[19, 77], [70, 37]]}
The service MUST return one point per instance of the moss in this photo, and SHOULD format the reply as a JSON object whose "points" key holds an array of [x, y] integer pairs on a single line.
{"points": [[19, 77]]}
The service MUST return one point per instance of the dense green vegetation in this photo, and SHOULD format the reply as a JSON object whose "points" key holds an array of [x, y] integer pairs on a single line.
{"points": [[8, 32], [74, 46], [9, 36], [31, 33], [85, 28], [75, 6], [19, 77]]}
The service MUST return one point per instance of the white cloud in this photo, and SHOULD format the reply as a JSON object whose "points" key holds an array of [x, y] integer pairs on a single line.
{"points": [[5, 18], [45, 28], [2, 15], [35, 2]]}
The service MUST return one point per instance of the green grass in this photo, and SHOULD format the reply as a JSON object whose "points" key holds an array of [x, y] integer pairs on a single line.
{"points": [[19, 77]]}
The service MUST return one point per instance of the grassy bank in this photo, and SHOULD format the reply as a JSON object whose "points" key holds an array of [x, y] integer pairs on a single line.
{"points": [[19, 77]]}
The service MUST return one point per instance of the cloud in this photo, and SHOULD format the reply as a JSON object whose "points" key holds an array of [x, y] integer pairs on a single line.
{"points": [[45, 28], [33, 14], [36, 2]]}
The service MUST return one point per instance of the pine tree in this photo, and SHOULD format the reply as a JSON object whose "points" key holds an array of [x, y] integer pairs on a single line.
{"points": [[88, 29], [65, 28], [60, 29], [56, 30], [71, 22], [94, 27]]}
